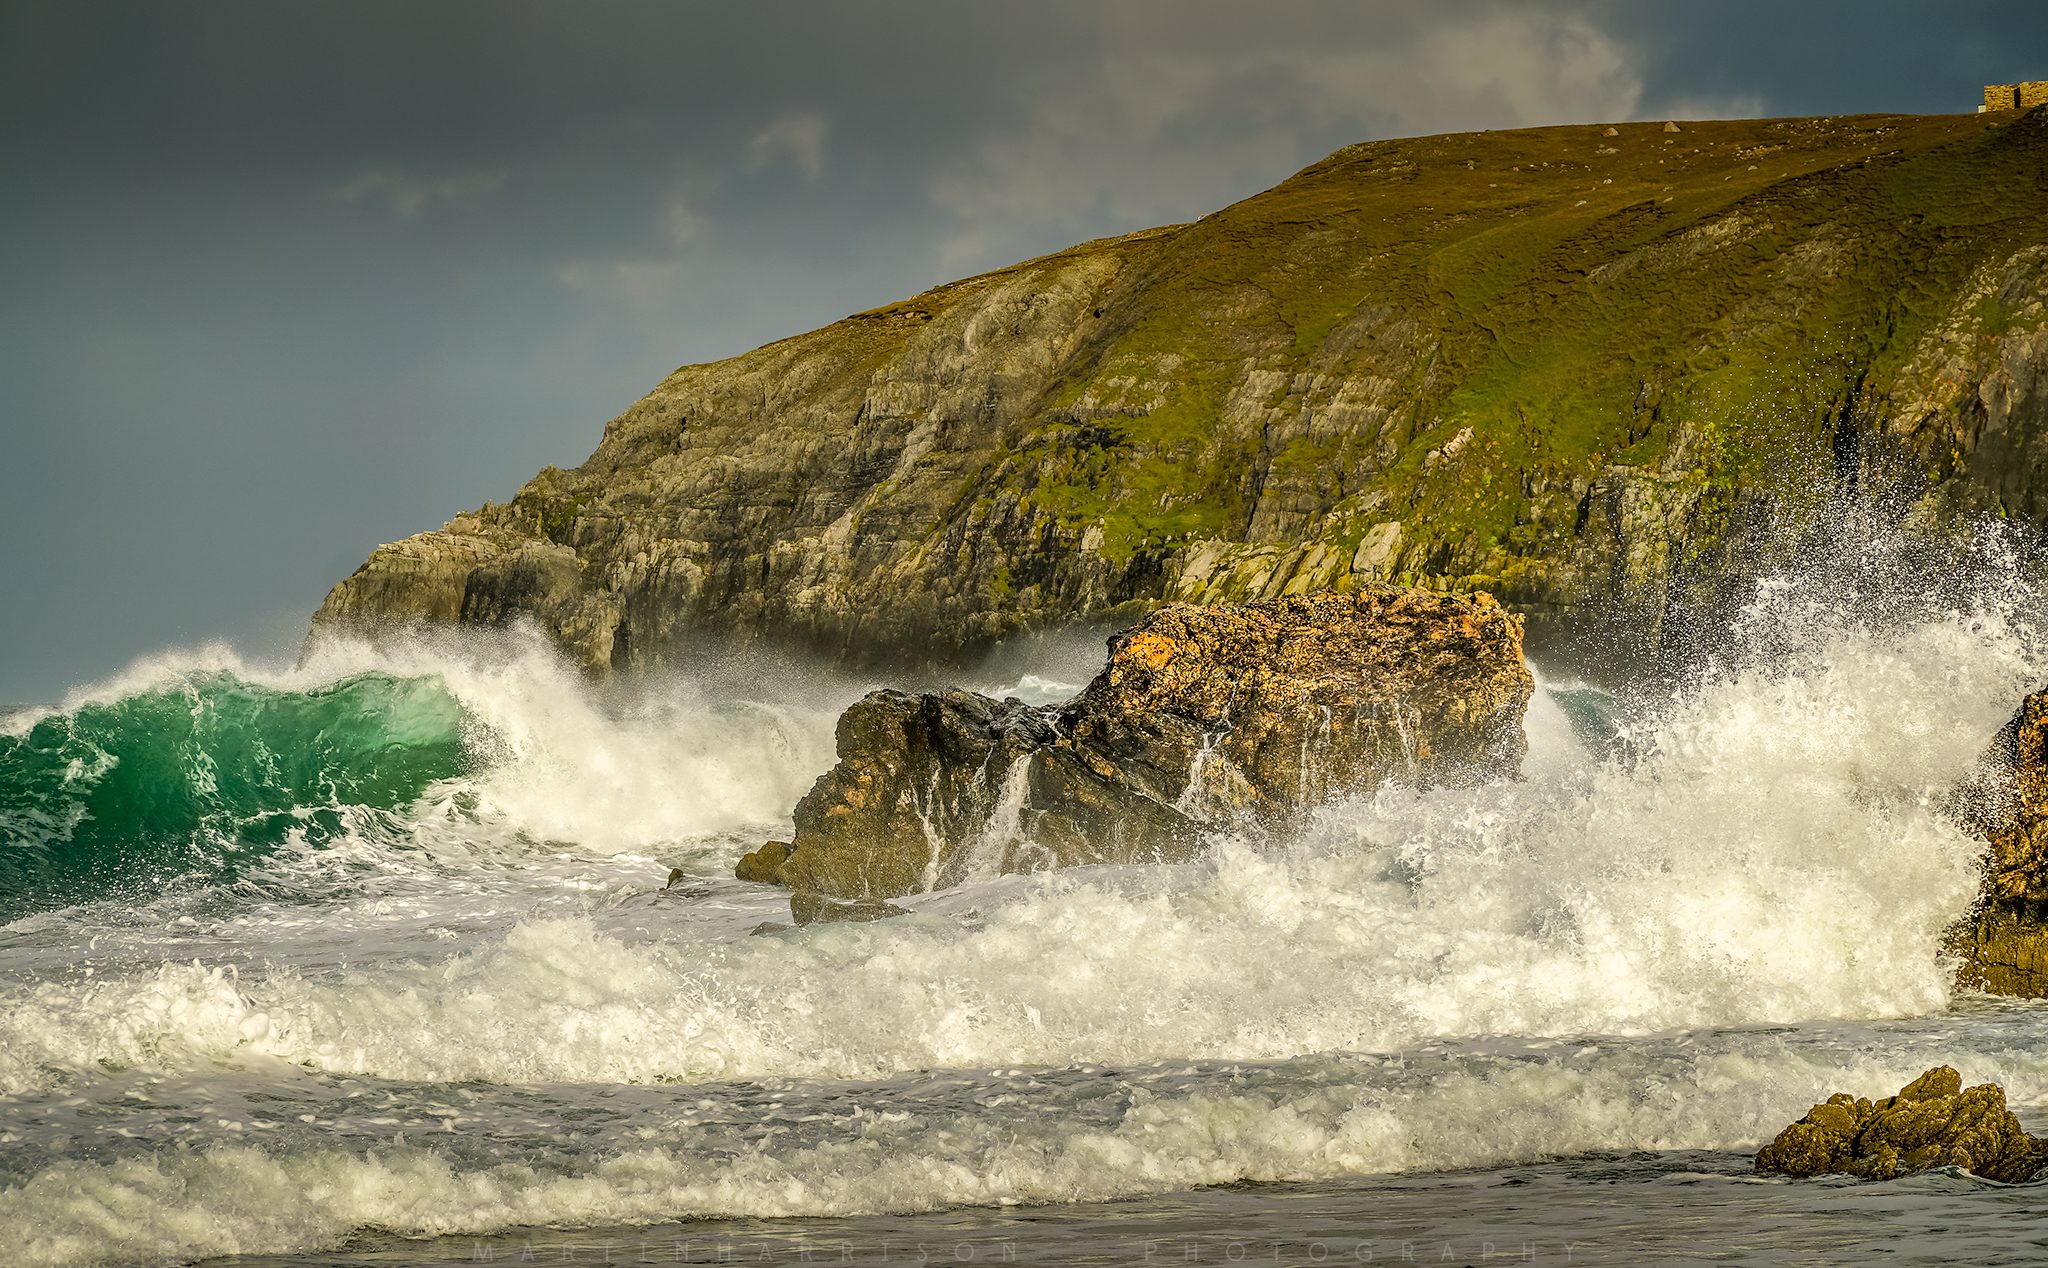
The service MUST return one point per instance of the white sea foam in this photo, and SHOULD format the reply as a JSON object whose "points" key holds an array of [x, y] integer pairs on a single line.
{"points": [[1033, 689], [1767, 847], [1012, 1138], [1772, 852]]}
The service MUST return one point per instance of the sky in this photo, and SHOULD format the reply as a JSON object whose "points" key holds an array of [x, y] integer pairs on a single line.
{"points": [[280, 281]]}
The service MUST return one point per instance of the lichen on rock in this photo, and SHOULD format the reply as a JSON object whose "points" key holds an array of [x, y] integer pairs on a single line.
{"points": [[1934, 1121]]}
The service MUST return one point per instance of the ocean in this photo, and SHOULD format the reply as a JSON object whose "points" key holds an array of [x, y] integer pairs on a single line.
{"points": [[371, 959]]}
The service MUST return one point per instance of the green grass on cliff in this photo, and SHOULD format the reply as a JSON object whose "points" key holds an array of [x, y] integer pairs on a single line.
{"points": [[1566, 296], [1470, 335]]}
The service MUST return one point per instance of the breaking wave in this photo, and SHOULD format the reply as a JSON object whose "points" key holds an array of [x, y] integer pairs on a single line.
{"points": [[195, 776], [1700, 908], [197, 771]]}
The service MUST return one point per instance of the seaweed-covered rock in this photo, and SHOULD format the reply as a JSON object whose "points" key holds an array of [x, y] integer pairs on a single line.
{"points": [[2004, 943], [1203, 717], [2014, 813], [1934, 1121]]}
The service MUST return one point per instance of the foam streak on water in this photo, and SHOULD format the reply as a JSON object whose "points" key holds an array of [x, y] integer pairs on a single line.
{"points": [[468, 1006]]}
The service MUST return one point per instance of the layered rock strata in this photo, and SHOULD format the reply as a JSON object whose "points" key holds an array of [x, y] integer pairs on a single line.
{"points": [[1605, 374]]}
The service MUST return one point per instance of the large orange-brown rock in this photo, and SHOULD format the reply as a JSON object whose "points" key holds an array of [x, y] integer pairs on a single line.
{"points": [[1204, 717], [1317, 696]]}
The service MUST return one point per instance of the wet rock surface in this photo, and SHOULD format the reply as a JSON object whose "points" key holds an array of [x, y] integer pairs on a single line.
{"points": [[817, 909], [2014, 818], [1934, 1121], [2004, 943], [1204, 717]]}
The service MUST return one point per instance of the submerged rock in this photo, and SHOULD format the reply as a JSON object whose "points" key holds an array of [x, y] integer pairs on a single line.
{"points": [[816, 909], [1934, 1121], [2004, 943], [1204, 717]]}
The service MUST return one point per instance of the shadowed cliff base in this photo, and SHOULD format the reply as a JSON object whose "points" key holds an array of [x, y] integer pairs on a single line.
{"points": [[1611, 375]]}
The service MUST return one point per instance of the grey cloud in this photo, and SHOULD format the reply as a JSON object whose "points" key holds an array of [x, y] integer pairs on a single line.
{"points": [[407, 193], [796, 138], [1143, 132], [280, 280]]}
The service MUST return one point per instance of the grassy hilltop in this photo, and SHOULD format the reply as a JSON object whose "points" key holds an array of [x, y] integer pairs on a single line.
{"points": [[1594, 369]]}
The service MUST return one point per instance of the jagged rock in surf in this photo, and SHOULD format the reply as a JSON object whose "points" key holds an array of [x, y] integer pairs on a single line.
{"points": [[1314, 696], [1934, 1121], [762, 864], [918, 778], [1204, 717], [2004, 943]]}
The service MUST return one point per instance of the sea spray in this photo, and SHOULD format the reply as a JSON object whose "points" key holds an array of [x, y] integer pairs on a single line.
{"points": [[1695, 912], [192, 770], [1773, 852]]}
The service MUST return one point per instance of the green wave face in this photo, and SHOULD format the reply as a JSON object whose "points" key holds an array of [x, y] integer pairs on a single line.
{"points": [[200, 778]]}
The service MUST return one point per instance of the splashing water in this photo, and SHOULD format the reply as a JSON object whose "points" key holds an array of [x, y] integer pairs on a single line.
{"points": [[416, 972], [192, 777]]}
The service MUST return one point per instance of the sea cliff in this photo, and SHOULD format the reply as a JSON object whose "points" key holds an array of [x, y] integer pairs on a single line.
{"points": [[1605, 373]]}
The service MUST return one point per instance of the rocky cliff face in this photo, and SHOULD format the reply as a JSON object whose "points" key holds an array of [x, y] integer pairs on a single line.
{"points": [[1603, 376]]}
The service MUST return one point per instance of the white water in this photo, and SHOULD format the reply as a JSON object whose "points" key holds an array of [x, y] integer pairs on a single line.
{"points": [[485, 1013]]}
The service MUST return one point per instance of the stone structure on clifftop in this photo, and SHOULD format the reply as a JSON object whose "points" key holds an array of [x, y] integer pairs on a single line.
{"points": [[1204, 717], [2014, 96]]}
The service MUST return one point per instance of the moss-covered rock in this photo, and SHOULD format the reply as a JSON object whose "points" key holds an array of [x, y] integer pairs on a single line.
{"points": [[1934, 1121]]}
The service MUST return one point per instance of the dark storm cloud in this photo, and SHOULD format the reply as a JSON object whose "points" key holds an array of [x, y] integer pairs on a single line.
{"points": [[280, 281]]}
